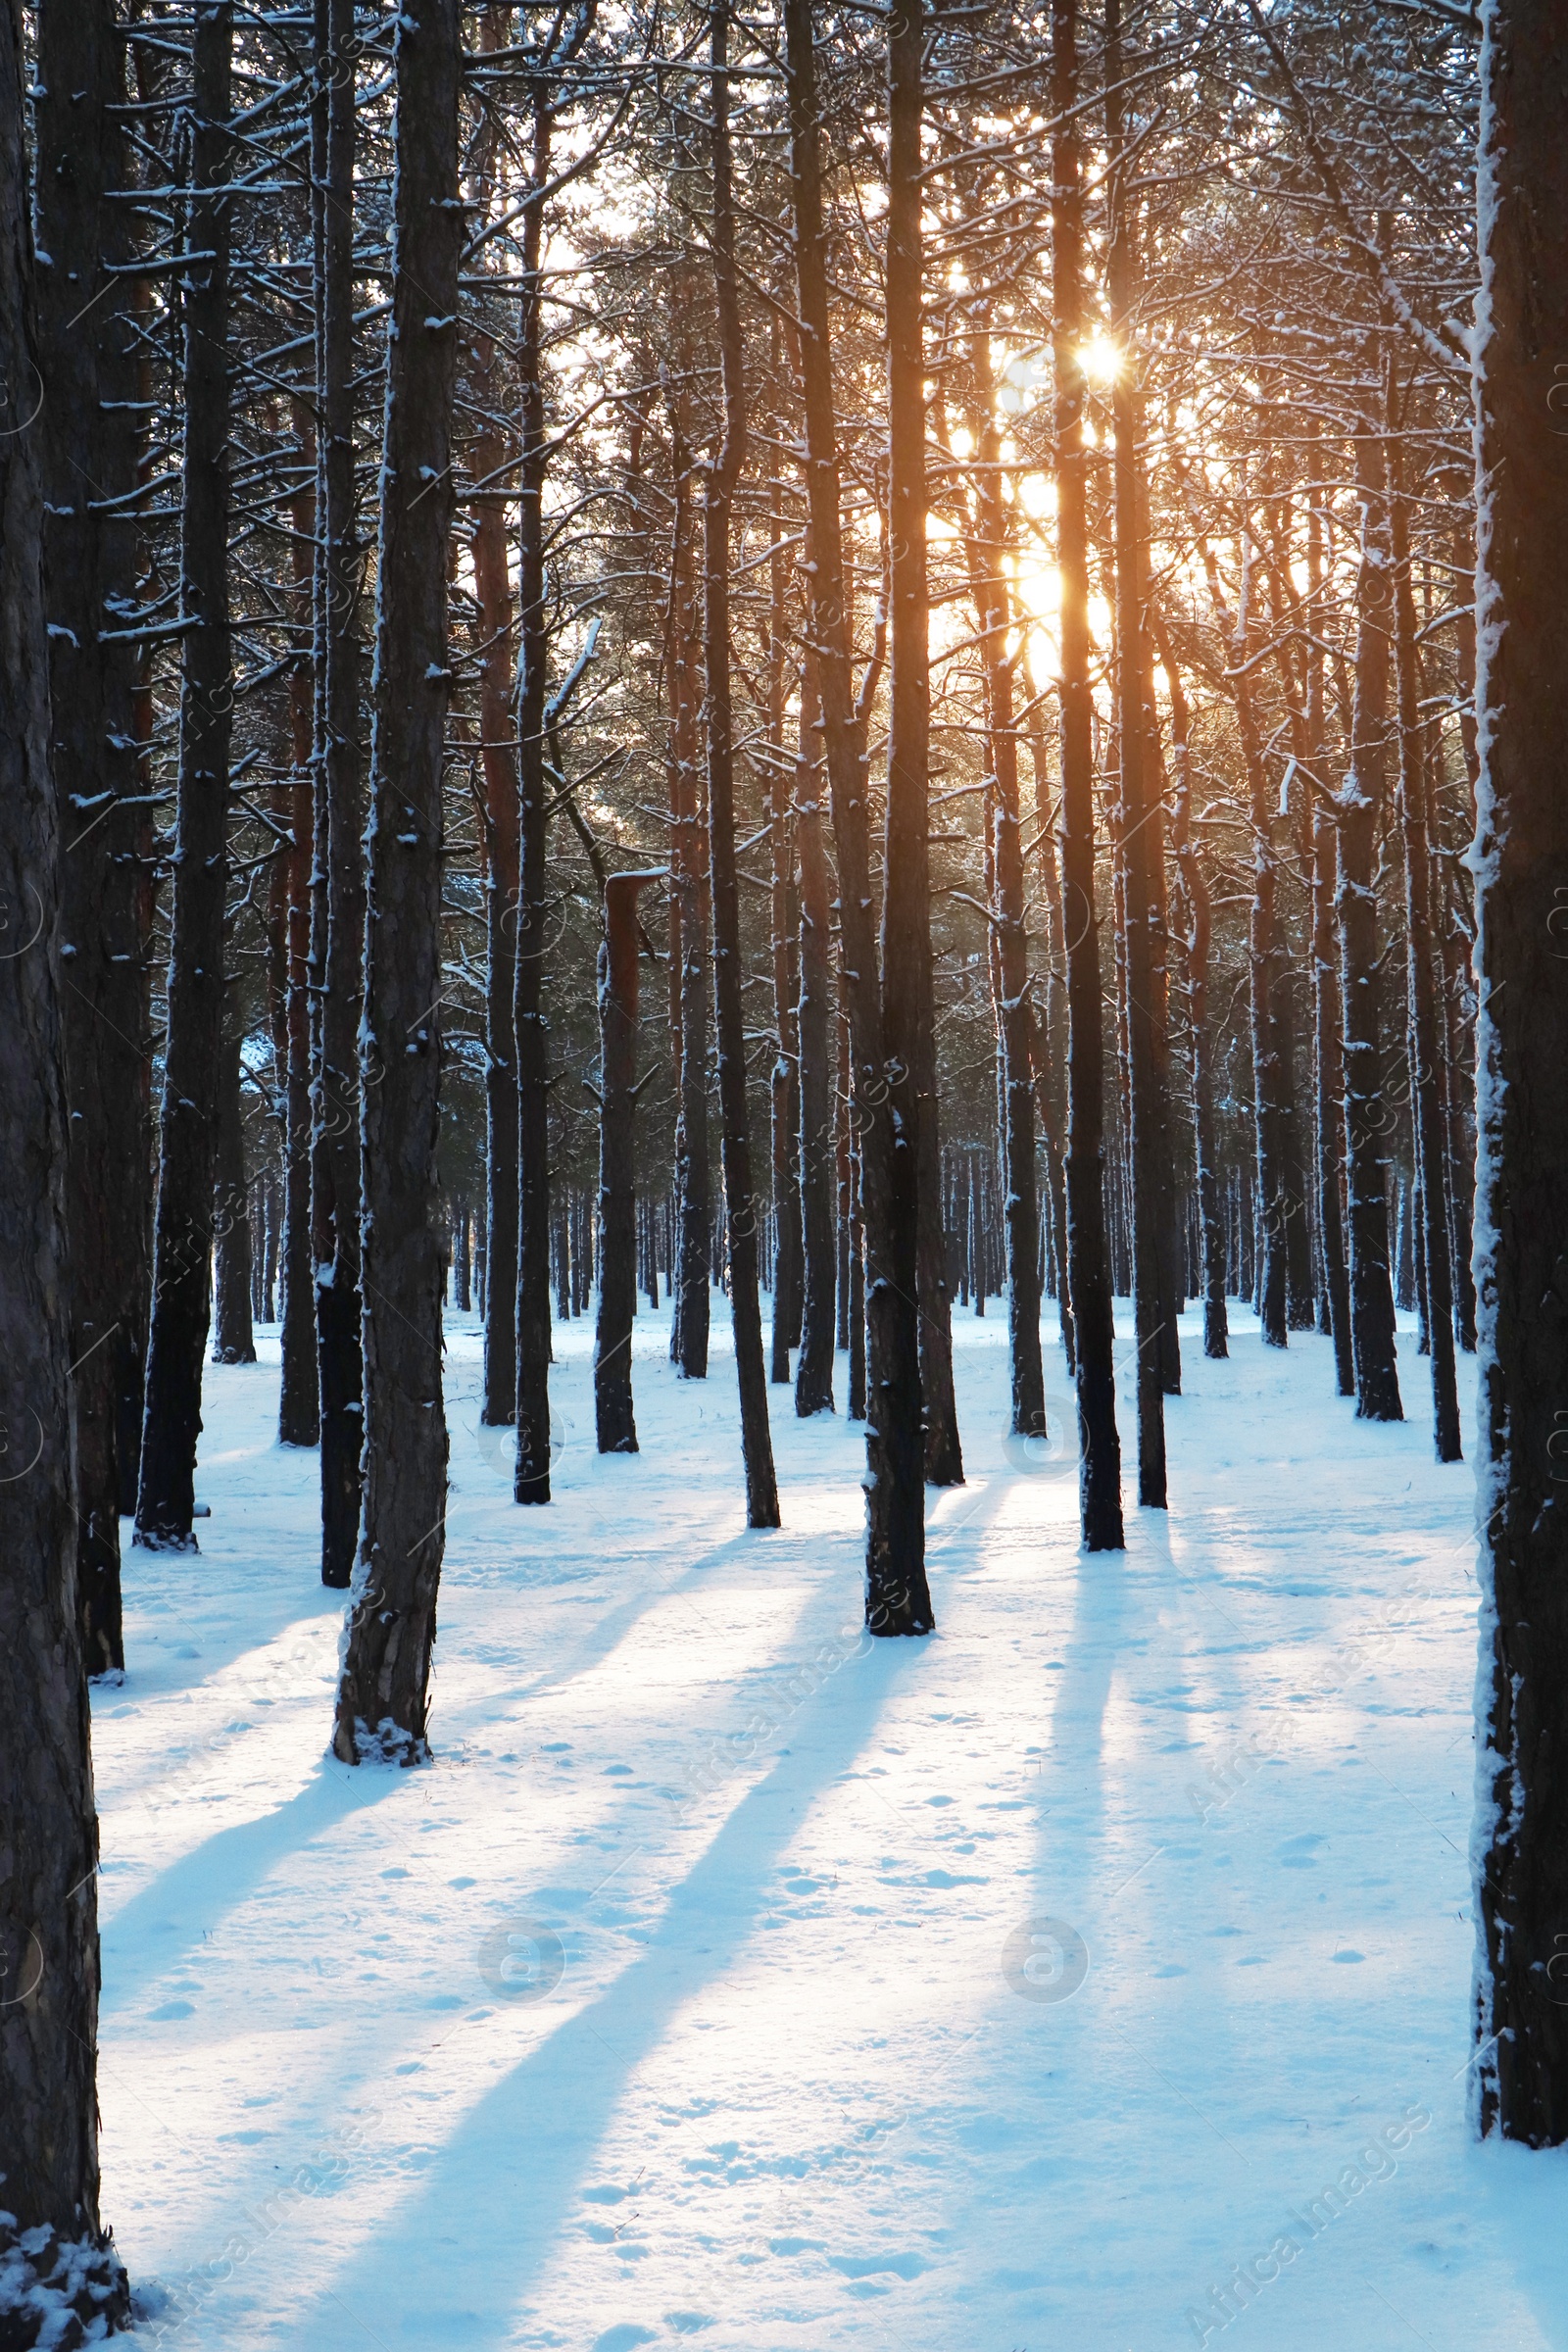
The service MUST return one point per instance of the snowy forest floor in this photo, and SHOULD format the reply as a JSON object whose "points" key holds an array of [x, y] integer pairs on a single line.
{"points": [[699, 1990]]}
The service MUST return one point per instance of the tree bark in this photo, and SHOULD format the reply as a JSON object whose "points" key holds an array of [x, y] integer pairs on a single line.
{"points": [[1195, 952], [689, 916], [497, 757], [52, 2245], [1521, 1837], [233, 1339], [614, 1419], [814, 1369], [784, 1085], [383, 1694], [90, 380], [898, 1600], [1088, 1261], [1421, 945], [183, 1239], [1357, 808], [918, 1246], [337, 906], [987, 555], [1137, 813], [719, 492], [299, 1403], [530, 1028]]}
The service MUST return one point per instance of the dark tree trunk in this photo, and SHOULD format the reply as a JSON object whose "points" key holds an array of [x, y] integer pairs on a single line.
{"points": [[1357, 810], [188, 1116], [1088, 1262], [337, 908], [498, 755], [1422, 945], [814, 1370], [898, 1600], [52, 2246], [299, 1404], [719, 492], [1139, 810], [1051, 1034], [462, 1287], [1011, 947], [90, 380], [917, 1247], [233, 1339], [1195, 953], [1520, 1841], [784, 1085], [530, 1029], [383, 1695], [617, 1198], [689, 914]]}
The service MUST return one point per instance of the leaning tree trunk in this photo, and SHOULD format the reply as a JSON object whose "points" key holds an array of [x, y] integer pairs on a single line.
{"points": [[1520, 1841], [615, 1421], [1050, 1030], [814, 1368], [53, 2249], [1357, 811], [91, 429], [1088, 1259], [183, 1238], [337, 902], [1138, 811], [918, 1246], [383, 1694], [898, 1600], [729, 1018], [530, 1482]]}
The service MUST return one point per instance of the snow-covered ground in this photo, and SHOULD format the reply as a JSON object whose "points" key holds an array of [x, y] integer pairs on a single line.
{"points": [[732, 1977]]}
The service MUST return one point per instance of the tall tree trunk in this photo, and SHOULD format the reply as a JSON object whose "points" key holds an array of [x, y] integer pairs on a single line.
{"points": [[1196, 951], [233, 1339], [1422, 945], [1357, 808], [383, 1694], [615, 1421], [501, 817], [1520, 1840], [1051, 1032], [530, 1029], [814, 1369], [719, 492], [688, 1324], [1139, 812], [189, 1114], [918, 1246], [337, 906], [1011, 947], [90, 381], [898, 1600], [299, 1404], [53, 2248], [1088, 1260], [784, 1085]]}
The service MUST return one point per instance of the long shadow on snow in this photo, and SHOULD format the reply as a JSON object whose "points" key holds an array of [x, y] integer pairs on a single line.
{"points": [[168, 1917], [464, 2245]]}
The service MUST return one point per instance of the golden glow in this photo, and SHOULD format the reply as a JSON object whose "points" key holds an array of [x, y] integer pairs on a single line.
{"points": [[1100, 359]]}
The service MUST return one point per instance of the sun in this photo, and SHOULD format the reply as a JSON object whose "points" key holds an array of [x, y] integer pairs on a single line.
{"points": [[1100, 359]]}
